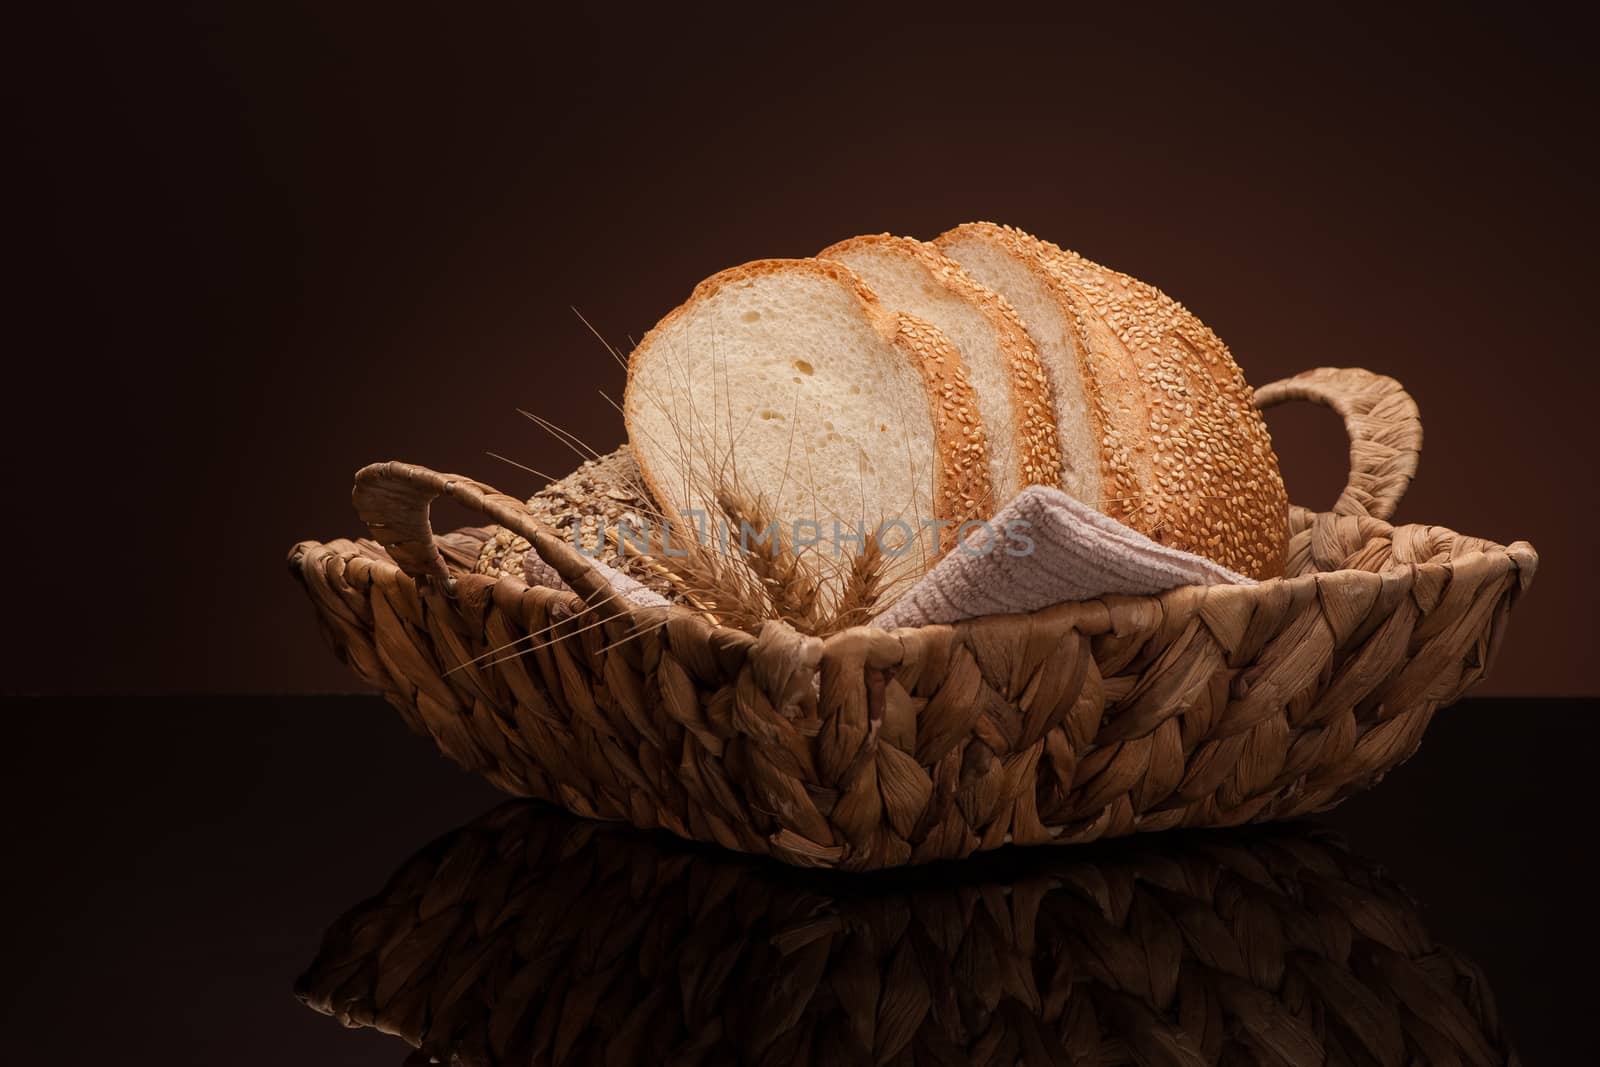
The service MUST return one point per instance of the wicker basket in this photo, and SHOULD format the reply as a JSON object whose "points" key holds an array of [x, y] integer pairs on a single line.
{"points": [[1203, 706], [529, 937]]}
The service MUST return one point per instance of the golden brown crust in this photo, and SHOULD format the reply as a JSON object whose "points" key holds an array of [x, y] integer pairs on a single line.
{"points": [[1187, 446], [963, 490], [1216, 481], [757, 268], [1033, 422], [962, 486]]}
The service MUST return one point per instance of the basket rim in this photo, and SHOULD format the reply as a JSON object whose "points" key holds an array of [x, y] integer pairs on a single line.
{"points": [[1109, 612]]}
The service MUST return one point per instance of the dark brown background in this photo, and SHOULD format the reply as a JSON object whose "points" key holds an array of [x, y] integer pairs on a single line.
{"points": [[265, 248]]}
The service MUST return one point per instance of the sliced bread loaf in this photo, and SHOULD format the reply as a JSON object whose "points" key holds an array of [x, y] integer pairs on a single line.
{"points": [[786, 382], [1157, 425], [999, 357]]}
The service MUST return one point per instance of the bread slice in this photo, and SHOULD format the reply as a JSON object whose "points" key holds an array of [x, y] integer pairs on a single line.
{"points": [[1048, 315], [785, 381], [998, 355], [1157, 425]]}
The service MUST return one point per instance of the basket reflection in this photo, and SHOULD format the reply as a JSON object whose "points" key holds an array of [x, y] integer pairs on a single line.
{"points": [[532, 937]]}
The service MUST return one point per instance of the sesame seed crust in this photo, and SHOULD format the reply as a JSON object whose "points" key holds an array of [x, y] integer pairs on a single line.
{"points": [[963, 489], [1185, 455]]}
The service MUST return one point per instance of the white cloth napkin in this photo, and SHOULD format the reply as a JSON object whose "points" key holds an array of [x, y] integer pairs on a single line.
{"points": [[1070, 552]]}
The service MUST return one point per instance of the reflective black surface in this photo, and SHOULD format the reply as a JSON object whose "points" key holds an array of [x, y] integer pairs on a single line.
{"points": [[175, 864]]}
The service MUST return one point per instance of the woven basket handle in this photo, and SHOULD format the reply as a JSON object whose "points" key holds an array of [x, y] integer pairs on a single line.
{"points": [[393, 498], [1384, 427]]}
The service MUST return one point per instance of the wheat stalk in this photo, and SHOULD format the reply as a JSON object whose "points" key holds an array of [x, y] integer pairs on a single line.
{"points": [[863, 586], [791, 590], [744, 584]]}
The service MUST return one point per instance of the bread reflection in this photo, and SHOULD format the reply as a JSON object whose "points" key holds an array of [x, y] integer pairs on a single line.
{"points": [[531, 937]]}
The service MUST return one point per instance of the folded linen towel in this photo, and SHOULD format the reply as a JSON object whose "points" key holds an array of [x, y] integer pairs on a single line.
{"points": [[1046, 548], [1043, 548]]}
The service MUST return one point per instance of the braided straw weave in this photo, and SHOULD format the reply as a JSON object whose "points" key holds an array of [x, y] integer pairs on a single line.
{"points": [[1203, 706], [529, 937]]}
